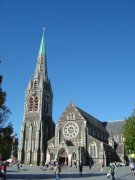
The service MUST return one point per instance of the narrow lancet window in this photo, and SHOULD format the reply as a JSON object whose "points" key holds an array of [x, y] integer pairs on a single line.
{"points": [[35, 85], [31, 104], [36, 103]]}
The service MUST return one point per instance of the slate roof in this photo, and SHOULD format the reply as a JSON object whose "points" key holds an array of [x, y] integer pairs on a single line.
{"points": [[115, 127], [92, 120]]}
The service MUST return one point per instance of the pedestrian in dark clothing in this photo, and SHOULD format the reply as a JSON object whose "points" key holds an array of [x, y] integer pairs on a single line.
{"points": [[57, 171], [112, 170], [75, 164], [90, 165], [18, 166], [80, 168]]}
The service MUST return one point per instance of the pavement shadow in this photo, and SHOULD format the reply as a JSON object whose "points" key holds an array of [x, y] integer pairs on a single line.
{"points": [[51, 176], [12, 171], [16, 171], [30, 176], [81, 176]]}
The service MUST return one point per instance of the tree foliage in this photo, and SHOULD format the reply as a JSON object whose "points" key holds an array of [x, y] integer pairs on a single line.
{"points": [[6, 140], [129, 133], [6, 130], [4, 111]]}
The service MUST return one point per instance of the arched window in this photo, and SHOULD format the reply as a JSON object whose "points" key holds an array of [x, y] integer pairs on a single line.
{"points": [[31, 104], [93, 150], [35, 85], [90, 150], [52, 156], [29, 136], [74, 156], [26, 144], [36, 103], [35, 123], [71, 116], [33, 144], [30, 131], [67, 117]]}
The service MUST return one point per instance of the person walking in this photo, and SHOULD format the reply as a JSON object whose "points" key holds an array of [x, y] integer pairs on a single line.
{"points": [[101, 167], [131, 167], [80, 168], [57, 171], [112, 170], [18, 166], [90, 165], [3, 170]]}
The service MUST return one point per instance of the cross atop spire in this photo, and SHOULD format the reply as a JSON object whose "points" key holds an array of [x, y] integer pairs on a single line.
{"points": [[42, 45]]}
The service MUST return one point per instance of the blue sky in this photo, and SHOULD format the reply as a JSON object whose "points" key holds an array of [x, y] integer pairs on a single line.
{"points": [[90, 48]]}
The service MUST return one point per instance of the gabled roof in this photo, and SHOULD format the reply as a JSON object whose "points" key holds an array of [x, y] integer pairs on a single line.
{"points": [[114, 127], [92, 120]]}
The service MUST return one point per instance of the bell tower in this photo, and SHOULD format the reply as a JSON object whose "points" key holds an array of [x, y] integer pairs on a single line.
{"points": [[37, 126]]}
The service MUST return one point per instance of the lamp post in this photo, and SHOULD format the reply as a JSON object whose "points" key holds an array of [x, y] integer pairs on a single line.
{"points": [[65, 157], [65, 153], [80, 154], [109, 156], [129, 156]]}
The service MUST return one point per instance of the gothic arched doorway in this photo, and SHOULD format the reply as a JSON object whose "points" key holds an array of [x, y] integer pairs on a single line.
{"points": [[63, 157]]}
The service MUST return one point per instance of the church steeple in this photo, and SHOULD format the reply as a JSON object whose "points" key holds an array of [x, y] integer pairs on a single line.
{"points": [[41, 67], [42, 50], [38, 126]]}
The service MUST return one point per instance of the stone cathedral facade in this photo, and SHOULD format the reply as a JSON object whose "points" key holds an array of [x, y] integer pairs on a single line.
{"points": [[37, 126], [80, 137], [77, 137]]}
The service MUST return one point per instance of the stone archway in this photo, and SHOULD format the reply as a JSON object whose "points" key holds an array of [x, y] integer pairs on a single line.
{"points": [[63, 157]]}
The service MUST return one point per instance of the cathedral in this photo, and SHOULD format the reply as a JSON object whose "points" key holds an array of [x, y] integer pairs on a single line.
{"points": [[77, 136], [80, 137]]}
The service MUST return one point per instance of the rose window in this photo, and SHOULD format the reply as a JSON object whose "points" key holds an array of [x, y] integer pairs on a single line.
{"points": [[70, 130]]}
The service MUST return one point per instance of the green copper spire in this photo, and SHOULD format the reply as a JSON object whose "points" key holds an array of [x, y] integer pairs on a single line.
{"points": [[42, 45], [41, 66]]}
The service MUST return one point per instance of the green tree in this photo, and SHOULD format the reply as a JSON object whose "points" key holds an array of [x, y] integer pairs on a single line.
{"points": [[4, 111], [6, 140], [6, 130], [129, 133]]}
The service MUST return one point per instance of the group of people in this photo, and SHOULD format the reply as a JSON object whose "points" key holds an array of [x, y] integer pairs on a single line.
{"points": [[3, 170], [112, 169], [53, 166], [57, 169]]}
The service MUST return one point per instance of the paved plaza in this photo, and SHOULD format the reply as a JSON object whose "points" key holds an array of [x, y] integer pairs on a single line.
{"points": [[35, 173]]}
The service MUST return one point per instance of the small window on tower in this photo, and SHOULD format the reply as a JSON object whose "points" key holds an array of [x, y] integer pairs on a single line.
{"points": [[35, 85], [35, 123], [74, 156], [31, 104], [36, 103]]}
